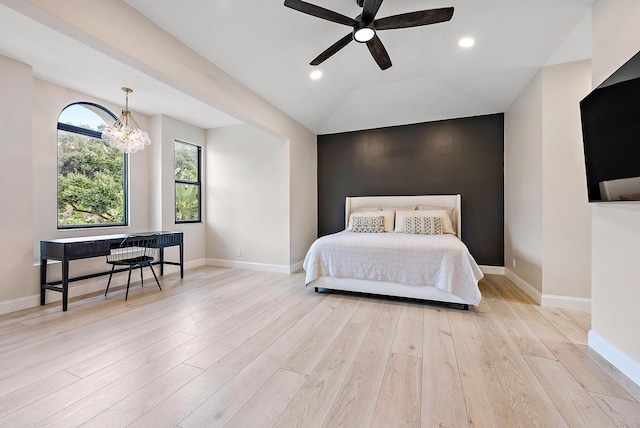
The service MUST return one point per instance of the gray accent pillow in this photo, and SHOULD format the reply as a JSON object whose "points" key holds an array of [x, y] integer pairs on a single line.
{"points": [[423, 225], [368, 224]]}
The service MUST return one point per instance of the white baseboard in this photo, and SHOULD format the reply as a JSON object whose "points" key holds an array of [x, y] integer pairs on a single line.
{"points": [[234, 264], [88, 286], [53, 296], [492, 270], [566, 302], [524, 286], [19, 304], [249, 265], [296, 266], [187, 265], [85, 287], [549, 300], [620, 360]]}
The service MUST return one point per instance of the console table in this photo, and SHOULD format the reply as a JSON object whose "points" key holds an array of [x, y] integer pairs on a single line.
{"points": [[67, 249]]}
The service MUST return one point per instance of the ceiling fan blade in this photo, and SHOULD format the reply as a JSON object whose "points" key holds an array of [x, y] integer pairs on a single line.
{"points": [[370, 9], [319, 12], [414, 19], [379, 53], [334, 48]]}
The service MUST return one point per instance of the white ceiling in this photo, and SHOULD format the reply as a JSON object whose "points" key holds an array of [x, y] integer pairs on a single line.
{"points": [[268, 47], [60, 59]]}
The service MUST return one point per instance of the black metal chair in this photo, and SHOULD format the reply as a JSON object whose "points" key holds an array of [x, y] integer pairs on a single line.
{"points": [[135, 251]]}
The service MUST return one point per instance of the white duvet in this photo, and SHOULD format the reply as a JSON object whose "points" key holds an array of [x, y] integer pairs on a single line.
{"points": [[440, 261]]}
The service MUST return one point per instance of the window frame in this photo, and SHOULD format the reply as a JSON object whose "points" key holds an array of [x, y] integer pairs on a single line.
{"points": [[177, 181], [125, 167]]}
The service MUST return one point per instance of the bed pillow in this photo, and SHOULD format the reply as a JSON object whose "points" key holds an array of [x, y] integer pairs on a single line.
{"points": [[423, 225], [368, 224], [422, 207], [407, 208], [388, 218], [447, 227], [365, 209]]}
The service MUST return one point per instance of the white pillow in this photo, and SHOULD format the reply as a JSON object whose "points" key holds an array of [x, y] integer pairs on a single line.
{"points": [[447, 227], [365, 209], [407, 208], [388, 218], [432, 208]]}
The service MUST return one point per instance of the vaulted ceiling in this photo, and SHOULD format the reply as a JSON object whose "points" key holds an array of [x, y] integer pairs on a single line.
{"points": [[268, 47]]}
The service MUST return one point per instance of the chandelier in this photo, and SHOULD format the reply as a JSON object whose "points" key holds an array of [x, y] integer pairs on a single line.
{"points": [[125, 135]]}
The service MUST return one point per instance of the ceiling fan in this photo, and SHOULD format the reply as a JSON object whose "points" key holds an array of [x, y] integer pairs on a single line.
{"points": [[365, 26]]}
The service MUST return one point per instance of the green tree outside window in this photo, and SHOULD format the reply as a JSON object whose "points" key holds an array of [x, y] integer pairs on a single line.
{"points": [[91, 174], [187, 182]]}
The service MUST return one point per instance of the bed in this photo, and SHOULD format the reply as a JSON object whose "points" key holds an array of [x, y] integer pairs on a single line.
{"points": [[433, 267]]}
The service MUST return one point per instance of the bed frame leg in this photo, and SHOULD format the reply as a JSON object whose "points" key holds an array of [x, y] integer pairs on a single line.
{"points": [[460, 306], [316, 289]]}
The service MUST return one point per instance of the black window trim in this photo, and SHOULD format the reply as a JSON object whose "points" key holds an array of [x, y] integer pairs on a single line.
{"points": [[125, 168], [196, 183]]}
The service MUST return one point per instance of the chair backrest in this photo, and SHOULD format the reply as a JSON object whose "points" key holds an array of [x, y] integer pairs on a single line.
{"points": [[134, 247]]}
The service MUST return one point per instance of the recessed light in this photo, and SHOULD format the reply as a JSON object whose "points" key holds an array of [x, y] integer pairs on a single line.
{"points": [[315, 74], [466, 42]]}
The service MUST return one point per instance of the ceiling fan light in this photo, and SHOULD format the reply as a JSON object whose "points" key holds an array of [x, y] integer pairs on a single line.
{"points": [[363, 35]]}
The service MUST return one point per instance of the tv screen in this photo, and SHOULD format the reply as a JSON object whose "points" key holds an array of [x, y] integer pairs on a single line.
{"points": [[611, 136]]}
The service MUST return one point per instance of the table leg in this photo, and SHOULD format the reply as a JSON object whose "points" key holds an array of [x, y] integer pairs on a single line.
{"points": [[43, 279], [65, 284], [161, 251], [181, 260]]}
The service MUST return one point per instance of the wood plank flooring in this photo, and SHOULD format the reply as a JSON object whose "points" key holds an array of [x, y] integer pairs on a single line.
{"points": [[237, 348]]}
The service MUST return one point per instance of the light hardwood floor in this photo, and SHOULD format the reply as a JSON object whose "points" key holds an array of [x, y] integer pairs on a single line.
{"points": [[227, 347]]}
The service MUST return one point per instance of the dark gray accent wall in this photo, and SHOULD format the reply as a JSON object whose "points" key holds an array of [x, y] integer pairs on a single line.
{"points": [[464, 156]]}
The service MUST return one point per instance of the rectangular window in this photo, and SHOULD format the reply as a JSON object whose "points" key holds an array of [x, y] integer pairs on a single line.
{"points": [[187, 176]]}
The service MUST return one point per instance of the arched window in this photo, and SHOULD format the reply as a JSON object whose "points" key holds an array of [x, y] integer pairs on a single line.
{"points": [[92, 176]]}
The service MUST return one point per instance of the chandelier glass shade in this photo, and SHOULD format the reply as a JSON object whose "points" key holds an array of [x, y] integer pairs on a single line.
{"points": [[125, 135]]}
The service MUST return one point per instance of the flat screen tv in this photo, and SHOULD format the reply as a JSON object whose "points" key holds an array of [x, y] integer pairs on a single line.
{"points": [[611, 136]]}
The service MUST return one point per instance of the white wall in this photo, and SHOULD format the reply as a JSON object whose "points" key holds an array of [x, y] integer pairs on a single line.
{"points": [[547, 217], [128, 36], [48, 101], [247, 198], [29, 110], [17, 274], [156, 169], [303, 198], [132, 39], [616, 227], [566, 213], [163, 183], [523, 185]]}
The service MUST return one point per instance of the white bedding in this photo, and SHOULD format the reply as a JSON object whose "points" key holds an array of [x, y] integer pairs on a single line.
{"points": [[440, 261]]}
